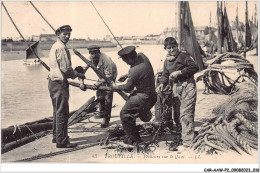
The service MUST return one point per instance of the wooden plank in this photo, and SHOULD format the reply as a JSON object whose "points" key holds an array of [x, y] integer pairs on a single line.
{"points": [[86, 108]]}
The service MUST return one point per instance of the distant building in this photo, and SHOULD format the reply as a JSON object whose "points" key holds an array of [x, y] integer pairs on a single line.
{"points": [[35, 37], [173, 32], [48, 37], [108, 38], [152, 37]]}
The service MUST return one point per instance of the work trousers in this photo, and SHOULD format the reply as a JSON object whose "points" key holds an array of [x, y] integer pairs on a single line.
{"points": [[138, 105], [184, 101], [59, 93], [105, 102]]}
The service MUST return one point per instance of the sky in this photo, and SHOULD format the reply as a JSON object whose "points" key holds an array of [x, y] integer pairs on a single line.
{"points": [[124, 18]]}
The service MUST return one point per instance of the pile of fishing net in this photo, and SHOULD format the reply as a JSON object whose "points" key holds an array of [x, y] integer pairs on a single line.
{"points": [[234, 129], [225, 71], [151, 134]]}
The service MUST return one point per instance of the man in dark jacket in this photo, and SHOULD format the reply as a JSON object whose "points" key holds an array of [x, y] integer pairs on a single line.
{"points": [[143, 98], [180, 68]]}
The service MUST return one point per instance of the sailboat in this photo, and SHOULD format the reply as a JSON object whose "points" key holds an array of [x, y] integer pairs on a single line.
{"points": [[30, 58]]}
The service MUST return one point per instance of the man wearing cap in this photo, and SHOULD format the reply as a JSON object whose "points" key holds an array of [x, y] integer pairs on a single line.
{"points": [[106, 66], [141, 100], [60, 71], [180, 68]]}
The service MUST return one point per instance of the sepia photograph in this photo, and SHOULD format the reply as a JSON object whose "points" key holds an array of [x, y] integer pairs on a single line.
{"points": [[130, 82]]}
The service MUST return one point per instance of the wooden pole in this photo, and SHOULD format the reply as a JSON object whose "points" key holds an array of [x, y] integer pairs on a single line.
{"points": [[255, 15], [246, 19], [219, 15], [180, 24], [237, 25], [210, 20]]}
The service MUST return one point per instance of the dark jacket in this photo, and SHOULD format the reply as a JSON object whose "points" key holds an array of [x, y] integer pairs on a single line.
{"points": [[182, 62], [140, 75]]}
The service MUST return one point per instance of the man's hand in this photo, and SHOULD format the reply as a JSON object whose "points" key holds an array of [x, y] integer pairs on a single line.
{"points": [[159, 88], [167, 88], [114, 86], [97, 84], [79, 69], [82, 86], [123, 78], [174, 74], [80, 75]]}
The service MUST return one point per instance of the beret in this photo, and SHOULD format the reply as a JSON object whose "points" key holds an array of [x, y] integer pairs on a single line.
{"points": [[126, 51], [63, 28], [93, 48]]}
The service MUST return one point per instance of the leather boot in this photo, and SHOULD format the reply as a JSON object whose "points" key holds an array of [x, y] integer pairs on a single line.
{"points": [[105, 122]]}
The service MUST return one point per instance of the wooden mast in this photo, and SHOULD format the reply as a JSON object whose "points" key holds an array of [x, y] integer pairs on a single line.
{"points": [[255, 15], [180, 25], [246, 19], [219, 11], [256, 24], [237, 25]]}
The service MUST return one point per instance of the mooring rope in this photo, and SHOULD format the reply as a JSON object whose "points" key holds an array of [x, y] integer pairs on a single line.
{"points": [[106, 24], [31, 131], [41, 15]]}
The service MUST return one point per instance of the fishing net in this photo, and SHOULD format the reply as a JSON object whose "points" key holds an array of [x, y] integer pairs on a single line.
{"points": [[234, 128], [152, 133], [227, 70]]}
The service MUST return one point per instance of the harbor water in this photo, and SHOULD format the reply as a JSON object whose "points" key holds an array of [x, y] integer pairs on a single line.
{"points": [[25, 95]]}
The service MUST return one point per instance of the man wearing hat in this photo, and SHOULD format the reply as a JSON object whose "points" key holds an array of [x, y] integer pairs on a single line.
{"points": [[180, 68], [60, 71], [106, 66], [143, 98]]}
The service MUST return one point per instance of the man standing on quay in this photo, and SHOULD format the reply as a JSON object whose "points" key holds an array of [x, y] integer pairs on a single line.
{"points": [[60, 71]]}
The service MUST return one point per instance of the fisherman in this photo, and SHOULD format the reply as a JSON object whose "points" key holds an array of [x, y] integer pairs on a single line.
{"points": [[105, 64], [141, 100], [180, 68], [60, 71]]}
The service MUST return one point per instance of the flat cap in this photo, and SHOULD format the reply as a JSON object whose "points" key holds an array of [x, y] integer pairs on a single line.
{"points": [[93, 48], [129, 50], [63, 28], [170, 41]]}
